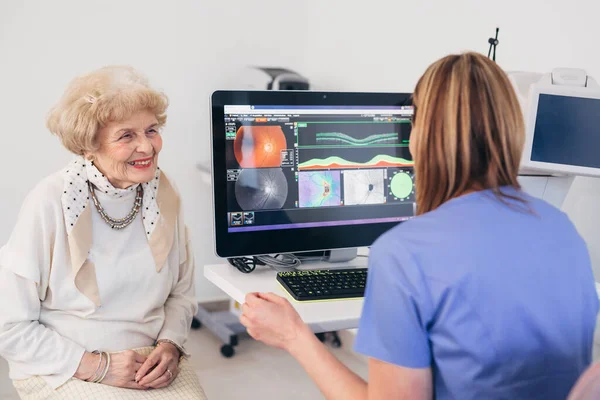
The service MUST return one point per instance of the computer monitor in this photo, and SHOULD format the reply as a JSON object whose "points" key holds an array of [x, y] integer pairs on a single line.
{"points": [[562, 134], [300, 171]]}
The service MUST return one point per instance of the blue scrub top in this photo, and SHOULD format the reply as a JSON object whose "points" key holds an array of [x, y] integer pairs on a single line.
{"points": [[499, 301]]}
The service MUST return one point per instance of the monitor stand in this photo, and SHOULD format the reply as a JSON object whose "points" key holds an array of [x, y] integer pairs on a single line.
{"points": [[333, 259]]}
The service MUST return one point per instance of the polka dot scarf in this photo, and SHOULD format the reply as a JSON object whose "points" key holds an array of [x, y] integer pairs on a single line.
{"points": [[76, 196]]}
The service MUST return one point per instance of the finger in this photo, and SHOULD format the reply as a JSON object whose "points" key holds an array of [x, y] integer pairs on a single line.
{"points": [[252, 334], [150, 362], [167, 383], [152, 376], [248, 296], [133, 385], [165, 378], [244, 320], [245, 308], [272, 297], [164, 385], [252, 299], [161, 380]]}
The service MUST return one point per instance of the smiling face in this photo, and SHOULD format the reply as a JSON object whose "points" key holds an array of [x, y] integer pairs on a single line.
{"points": [[128, 150]]}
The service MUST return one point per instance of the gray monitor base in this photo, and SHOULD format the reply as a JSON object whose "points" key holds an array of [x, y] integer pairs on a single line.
{"points": [[331, 259]]}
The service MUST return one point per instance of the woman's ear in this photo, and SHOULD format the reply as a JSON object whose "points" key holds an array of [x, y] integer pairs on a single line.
{"points": [[89, 156]]}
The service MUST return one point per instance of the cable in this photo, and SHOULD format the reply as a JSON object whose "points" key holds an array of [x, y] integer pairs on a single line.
{"points": [[281, 262], [245, 264]]}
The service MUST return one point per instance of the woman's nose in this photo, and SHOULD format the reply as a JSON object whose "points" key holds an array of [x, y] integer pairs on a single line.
{"points": [[144, 145]]}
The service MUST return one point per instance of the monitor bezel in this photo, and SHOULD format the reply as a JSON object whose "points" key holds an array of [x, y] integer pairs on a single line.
{"points": [[238, 244], [531, 118]]}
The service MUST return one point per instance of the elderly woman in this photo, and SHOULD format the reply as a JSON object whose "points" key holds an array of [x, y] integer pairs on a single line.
{"points": [[96, 280]]}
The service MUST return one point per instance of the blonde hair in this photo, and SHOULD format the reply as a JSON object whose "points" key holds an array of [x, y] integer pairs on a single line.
{"points": [[469, 130], [112, 93]]}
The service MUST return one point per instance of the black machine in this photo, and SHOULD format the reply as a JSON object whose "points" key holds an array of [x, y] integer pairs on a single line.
{"points": [[304, 171]]}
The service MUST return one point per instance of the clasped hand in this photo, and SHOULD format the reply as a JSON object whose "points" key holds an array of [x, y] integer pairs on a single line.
{"points": [[129, 369], [160, 368]]}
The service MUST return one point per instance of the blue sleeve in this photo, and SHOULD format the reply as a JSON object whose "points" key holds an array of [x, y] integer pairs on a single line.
{"points": [[397, 309]]}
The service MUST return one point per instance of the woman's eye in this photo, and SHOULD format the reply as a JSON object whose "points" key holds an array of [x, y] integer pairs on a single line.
{"points": [[127, 136], [152, 131]]}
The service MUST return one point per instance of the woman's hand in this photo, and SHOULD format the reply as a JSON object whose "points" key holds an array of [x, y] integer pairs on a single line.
{"points": [[163, 365], [122, 369], [272, 320]]}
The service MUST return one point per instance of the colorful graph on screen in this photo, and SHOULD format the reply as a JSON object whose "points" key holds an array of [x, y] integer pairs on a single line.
{"points": [[319, 188], [352, 134], [341, 163], [340, 139]]}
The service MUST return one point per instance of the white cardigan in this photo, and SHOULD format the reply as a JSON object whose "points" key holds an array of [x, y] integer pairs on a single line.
{"points": [[46, 323]]}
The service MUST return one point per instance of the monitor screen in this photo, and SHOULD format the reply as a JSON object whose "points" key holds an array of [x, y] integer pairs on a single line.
{"points": [[298, 169], [566, 131]]}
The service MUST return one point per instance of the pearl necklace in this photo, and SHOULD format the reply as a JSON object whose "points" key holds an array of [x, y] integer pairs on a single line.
{"points": [[122, 222]]}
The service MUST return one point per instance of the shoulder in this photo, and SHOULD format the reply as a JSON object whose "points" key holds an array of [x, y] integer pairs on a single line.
{"points": [[556, 223], [402, 236], [393, 250], [549, 214], [38, 220], [396, 251], [46, 194], [543, 208]]}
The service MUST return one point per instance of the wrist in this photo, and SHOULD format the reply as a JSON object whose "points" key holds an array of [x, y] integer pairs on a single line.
{"points": [[304, 338], [171, 346], [87, 366]]}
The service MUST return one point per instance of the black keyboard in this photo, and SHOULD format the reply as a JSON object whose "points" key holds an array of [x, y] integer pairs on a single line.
{"points": [[324, 284]]}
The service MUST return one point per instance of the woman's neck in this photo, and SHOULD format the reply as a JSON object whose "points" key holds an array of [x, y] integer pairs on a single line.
{"points": [[116, 183]]}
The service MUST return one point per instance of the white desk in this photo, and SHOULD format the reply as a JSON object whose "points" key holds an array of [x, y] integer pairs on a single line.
{"points": [[320, 316]]}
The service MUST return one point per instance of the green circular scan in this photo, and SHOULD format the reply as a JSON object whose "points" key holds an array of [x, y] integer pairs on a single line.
{"points": [[401, 185]]}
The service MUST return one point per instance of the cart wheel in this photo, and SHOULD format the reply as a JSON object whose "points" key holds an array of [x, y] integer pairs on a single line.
{"points": [[335, 340], [320, 336], [227, 351], [196, 324]]}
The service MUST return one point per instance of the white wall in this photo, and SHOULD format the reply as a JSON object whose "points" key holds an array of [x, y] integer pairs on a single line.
{"points": [[189, 48]]}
